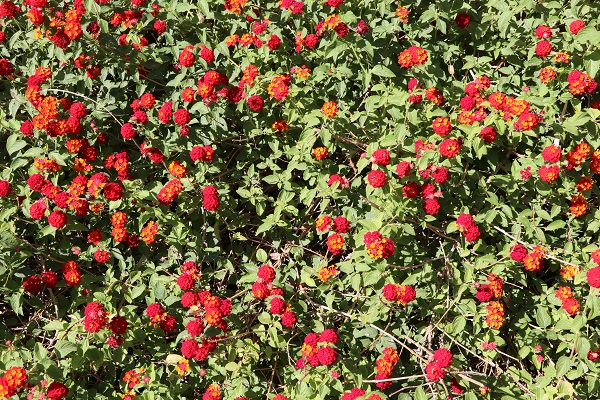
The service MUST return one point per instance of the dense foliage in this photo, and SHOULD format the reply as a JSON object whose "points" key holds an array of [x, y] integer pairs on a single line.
{"points": [[289, 200]]}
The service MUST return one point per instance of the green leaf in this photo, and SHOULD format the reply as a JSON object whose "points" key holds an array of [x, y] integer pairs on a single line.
{"points": [[420, 394], [562, 366], [14, 143], [381, 70], [556, 225], [542, 317], [261, 256]]}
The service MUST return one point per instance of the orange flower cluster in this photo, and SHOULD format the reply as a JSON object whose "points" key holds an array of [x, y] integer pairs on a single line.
{"points": [[250, 73], [580, 152], [302, 72], [279, 87], [170, 191], [132, 377], [235, 6], [378, 246], [562, 57], [326, 273], [434, 95], [414, 55], [580, 83], [546, 75], [213, 392], [594, 166], [569, 303], [495, 315], [149, 232], [534, 261], [496, 284], [578, 205], [46, 164], [385, 366], [70, 270], [492, 290], [586, 183], [120, 162], [331, 22], [183, 367], [335, 244], [320, 153], [568, 271], [329, 109], [402, 13], [73, 25], [177, 169], [13, 381], [280, 125]]}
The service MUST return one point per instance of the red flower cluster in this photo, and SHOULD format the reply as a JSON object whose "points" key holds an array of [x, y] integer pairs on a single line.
{"points": [[576, 26], [202, 153], [436, 369], [450, 147], [378, 246], [158, 317], [5, 188], [543, 48], [339, 225], [101, 255], [357, 393], [518, 252], [189, 275], [377, 178], [34, 283], [491, 290], [198, 351], [263, 288], [317, 350], [342, 182], [385, 366], [210, 198], [543, 32], [57, 391], [593, 275], [466, 225], [95, 317], [548, 173], [442, 126], [552, 153], [402, 294]]}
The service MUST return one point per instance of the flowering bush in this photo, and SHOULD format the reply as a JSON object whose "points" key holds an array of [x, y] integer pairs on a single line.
{"points": [[299, 200]]}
